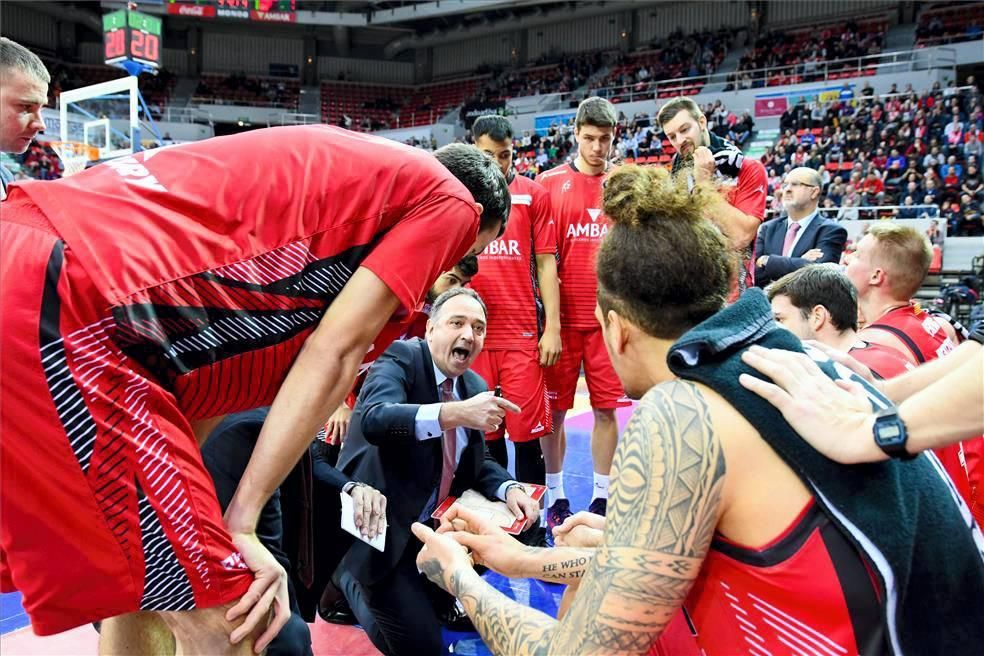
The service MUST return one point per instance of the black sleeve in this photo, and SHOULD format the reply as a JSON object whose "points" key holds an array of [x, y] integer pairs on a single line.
{"points": [[387, 418]]}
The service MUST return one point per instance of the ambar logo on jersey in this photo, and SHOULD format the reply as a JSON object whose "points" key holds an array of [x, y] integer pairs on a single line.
{"points": [[502, 247], [135, 173], [593, 230]]}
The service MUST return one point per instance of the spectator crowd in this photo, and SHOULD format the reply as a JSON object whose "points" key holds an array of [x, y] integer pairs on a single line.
{"points": [[902, 148]]}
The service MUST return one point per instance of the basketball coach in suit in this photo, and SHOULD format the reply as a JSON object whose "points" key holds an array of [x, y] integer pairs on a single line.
{"points": [[417, 434], [801, 237]]}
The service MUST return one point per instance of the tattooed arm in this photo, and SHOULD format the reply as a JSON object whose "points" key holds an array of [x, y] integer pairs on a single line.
{"points": [[667, 479]]}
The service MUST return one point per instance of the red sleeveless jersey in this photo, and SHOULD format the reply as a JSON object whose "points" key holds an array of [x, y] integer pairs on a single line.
{"points": [[920, 331], [884, 362], [807, 591], [924, 336]]}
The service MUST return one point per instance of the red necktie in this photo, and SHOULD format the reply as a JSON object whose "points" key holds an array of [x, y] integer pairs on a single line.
{"points": [[450, 446], [787, 245]]}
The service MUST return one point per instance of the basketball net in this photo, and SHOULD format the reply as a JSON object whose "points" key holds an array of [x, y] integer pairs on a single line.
{"points": [[74, 155]]}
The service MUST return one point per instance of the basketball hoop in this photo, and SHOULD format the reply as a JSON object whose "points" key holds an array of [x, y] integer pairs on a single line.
{"points": [[74, 155]]}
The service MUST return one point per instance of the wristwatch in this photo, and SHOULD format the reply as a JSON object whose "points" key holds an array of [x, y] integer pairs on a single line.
{"points": [[351, 485], [522, 489], [890, 434]]}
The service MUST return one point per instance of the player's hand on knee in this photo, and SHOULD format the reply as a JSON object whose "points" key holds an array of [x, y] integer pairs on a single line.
{"points": [[268, 591]]}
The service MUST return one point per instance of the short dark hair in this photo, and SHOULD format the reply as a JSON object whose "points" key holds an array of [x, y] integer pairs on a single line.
{"points": [[451, 293], [674, 107], [14, 55], [656, 219], [496, 128], [820, 284], [481, 175], [597, 112], [468, 266]]}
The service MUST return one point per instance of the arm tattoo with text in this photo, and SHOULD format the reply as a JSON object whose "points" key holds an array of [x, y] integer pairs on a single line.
{"points": [[667, 478], [564, 564]]}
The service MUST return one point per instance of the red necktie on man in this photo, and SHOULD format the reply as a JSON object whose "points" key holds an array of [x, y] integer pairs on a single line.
{"points": [[450, 446], [787, 245]]}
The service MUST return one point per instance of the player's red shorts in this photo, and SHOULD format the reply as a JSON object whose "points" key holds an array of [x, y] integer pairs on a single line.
{"points": [[521, 377], [106, 506], [587, 347]]}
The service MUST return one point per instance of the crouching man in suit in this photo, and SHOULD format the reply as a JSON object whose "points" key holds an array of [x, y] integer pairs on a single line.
{"points": [[417, 435]]}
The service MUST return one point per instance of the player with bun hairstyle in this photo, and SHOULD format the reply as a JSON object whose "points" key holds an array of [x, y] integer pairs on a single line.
{"points": [[656, 220], [716, 505]]}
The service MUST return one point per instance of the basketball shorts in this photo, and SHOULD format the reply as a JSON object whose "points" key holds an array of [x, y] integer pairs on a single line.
{"points": [[521, 377], [587, 348], [106, 507]]}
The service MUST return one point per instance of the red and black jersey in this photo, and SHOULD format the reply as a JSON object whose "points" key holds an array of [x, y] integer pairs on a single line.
{"points": [[506, 271], [216, 272], [920, 331], [808, 591], [884, 362]]}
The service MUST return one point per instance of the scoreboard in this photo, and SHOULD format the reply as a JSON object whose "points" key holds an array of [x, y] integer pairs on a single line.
{"points": [[273, 11], [132, 36]]}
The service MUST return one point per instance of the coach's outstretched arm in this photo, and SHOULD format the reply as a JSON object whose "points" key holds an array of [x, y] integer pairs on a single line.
{"points": [[658, 532], [317, 382]]}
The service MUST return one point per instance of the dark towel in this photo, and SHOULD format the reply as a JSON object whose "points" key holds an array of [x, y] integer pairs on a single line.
{"points": [[904, 516], [727, 156]]}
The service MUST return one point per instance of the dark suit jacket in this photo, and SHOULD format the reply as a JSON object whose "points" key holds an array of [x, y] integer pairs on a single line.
{"points": [[822, 233], [381, 449]]}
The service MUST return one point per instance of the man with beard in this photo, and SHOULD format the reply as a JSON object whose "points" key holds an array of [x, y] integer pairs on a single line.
{"points": [[706, 157]]}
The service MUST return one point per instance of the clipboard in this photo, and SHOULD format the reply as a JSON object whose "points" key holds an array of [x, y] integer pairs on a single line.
{"points": [[496, 511]]}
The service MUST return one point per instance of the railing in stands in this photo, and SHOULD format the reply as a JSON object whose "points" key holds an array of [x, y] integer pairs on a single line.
{"points": [[866, 212], [295, 118], [187, 115], [901, 61]]}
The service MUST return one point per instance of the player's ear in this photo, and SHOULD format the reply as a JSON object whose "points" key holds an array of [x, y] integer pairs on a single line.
{"points": [[818, 317], [619, 329], [479, 207]]}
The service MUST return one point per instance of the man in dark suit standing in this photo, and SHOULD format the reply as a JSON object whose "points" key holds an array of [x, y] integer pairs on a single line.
{"points": [[417, 435], [803, 237]]}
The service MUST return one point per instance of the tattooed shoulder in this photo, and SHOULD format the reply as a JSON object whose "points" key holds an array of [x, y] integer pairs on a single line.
{"points": [[663, 506]]}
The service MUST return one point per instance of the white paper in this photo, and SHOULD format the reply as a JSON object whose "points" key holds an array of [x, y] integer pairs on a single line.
{"points": [[348, 524]]}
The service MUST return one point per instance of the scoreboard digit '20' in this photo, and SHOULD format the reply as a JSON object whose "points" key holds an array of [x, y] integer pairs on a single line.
{"points": [[130, 35]]}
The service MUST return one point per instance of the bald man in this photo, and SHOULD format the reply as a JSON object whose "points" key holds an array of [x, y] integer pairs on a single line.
{"points": [[803, 236]]}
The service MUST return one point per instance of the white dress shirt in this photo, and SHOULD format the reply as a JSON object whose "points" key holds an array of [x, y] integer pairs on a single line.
{"points": [[804, 224]]}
